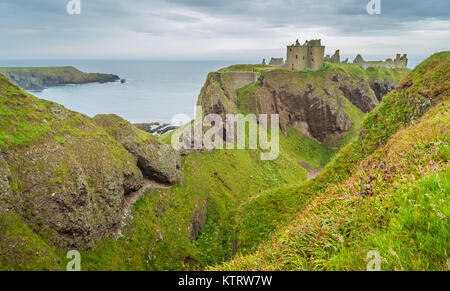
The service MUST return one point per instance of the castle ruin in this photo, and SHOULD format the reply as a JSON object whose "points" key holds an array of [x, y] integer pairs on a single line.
{"points": [[336, 58], [400, 61], [276, 62], [310, 55]]}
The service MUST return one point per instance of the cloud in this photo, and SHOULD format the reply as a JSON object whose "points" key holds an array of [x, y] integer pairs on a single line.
{"points": [[218, 29]]}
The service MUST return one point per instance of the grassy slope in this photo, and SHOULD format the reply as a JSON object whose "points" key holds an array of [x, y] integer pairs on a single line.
{"points": [[224, 179], [268, 211], [157, 237], [22, 249], [386, 191], [29, 123]]}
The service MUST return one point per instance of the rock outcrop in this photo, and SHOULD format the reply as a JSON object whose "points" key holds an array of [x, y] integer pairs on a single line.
{"points": [[156, 160], [155, 127], [68, 178]]}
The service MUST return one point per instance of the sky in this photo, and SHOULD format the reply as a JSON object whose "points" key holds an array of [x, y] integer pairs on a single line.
{"points": [[246, 30]]}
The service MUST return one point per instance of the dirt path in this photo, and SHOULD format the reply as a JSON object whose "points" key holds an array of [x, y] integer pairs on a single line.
{"points": [[310, 172]]}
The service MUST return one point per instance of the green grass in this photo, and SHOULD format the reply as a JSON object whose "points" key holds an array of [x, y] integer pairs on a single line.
{"points": [[283, 222], [22, 249], [346, 219], [416, 236], [208, 176]]}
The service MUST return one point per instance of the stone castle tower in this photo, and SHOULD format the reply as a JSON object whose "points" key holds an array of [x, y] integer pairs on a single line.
{"points": [[307, 56]]}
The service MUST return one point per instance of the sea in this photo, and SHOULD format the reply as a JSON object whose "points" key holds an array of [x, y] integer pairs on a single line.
{"points": [[154, 91]]}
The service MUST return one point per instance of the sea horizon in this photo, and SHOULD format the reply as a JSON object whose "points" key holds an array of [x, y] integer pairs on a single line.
{"points": [[155, 91]]}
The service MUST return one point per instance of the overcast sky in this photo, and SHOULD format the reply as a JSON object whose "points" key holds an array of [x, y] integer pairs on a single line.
{"points": [[219, 29]]}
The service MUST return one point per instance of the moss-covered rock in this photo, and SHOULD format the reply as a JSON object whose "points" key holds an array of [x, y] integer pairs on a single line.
{"points": [[5, 190], [155, 159], [68, 178]]}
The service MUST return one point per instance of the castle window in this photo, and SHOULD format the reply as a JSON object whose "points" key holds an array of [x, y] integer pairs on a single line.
{"points": [[312, 60], [303, 57], [296, 56]]}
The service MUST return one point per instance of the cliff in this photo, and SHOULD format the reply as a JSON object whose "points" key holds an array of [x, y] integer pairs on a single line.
{"points": [[385, 191], [66, 177], [235, 211], [38, 78], [318, 104]]}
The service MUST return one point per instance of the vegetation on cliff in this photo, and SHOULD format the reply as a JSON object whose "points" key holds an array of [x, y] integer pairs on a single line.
{"points": [[38, 78], [383, 191], [386, 191], [59, 162], [67, 176]]}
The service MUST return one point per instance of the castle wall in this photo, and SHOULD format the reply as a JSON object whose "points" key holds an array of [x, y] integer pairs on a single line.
{"points": [[242, 79], [398, 62], [276, 61], [297, 58], [315, 59]]}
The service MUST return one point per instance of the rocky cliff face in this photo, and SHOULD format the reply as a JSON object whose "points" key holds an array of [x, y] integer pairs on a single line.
{"points": [[316, 103], [382, 88], [317, 111], [65, 175], [218, 95], [156, 160]]}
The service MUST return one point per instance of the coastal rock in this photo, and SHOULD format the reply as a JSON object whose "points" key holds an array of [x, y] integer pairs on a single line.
{"points": [[38, 78], [156, 160], [155, 127]]}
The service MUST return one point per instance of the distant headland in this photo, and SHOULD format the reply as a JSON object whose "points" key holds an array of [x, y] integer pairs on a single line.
{"points": [[38, 78]]}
